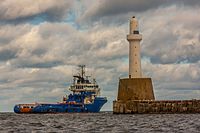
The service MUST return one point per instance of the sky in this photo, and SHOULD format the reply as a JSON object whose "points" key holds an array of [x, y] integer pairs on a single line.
{"points": [[43, 41]]}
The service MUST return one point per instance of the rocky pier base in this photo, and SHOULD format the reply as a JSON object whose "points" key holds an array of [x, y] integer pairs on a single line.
{"points": [[156, 107]]}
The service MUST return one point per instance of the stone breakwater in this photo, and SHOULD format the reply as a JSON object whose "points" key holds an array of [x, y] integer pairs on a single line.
{"points": [[151, 106]]}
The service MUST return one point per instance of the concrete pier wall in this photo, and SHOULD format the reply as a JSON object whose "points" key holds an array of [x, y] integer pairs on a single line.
{"points": [[151, 106]]}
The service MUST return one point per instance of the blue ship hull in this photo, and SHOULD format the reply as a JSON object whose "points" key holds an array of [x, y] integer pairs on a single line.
{"points": [[62, 107]]}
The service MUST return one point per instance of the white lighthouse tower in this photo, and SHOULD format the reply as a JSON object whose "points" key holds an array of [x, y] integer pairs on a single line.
{"points": [[135, 88], [134, 39]]}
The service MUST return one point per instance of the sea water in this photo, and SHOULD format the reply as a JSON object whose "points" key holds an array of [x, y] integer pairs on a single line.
{"points": [[103, 122]]}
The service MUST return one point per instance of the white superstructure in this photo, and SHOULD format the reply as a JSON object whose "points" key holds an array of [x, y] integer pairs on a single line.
{"points": [[83, 84]]}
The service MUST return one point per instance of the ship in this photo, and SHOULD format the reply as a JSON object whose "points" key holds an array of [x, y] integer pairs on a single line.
{"points": [[85, 97]]}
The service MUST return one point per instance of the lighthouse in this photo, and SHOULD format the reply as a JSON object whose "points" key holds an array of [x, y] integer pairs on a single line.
{"points": [[135, 93], [136, 87], [134, 39]]}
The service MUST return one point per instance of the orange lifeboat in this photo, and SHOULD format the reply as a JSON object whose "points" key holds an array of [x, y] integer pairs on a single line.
{"points": [[26, 108]]}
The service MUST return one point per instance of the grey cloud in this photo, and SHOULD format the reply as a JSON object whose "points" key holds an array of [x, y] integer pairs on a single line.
{"points": [[39, 51], [29, 85], [8, 33], [38, 64], [41, 46], [190, 3], [173, 39], [7, 54], [47, 52], [53, 44], [166, 74], [117, 6], [172, 80], [180, 85], [14, 10], [179, 54], [104, 8]]}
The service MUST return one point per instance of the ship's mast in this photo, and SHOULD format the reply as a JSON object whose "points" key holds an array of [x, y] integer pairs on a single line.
{"points": [[82, 67]]}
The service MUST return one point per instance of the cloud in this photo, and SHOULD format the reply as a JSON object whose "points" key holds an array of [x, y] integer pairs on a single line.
{"points": [[24, 9], [53, 44], [7, 54], [172, 80], [105, 8], [44, 52], [113, 7], [173, 38], [37, 61]]}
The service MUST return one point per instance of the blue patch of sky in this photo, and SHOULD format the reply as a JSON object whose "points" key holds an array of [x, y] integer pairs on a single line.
{"points": [[38, 19], [183, 62], [145, 59], [76, 13], [71, 19], [35, 20], [43, 17], [125, 59], [66, 84]]}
